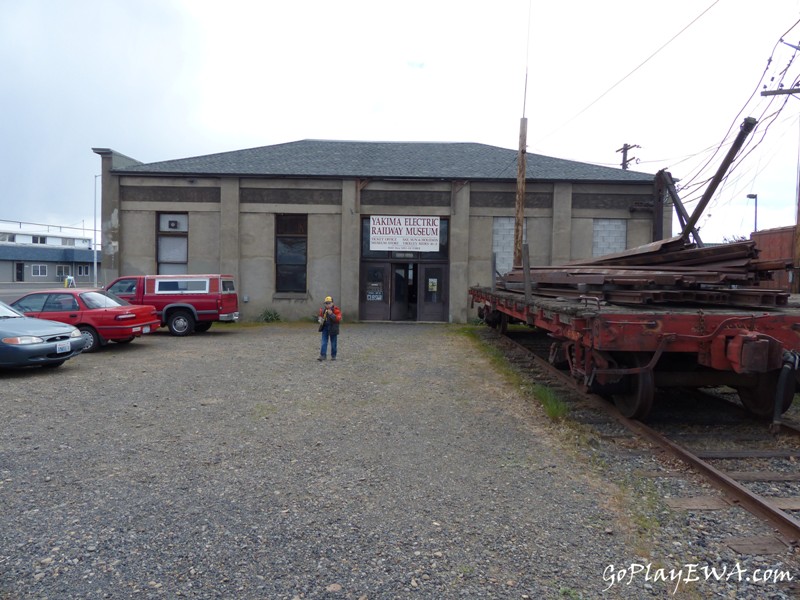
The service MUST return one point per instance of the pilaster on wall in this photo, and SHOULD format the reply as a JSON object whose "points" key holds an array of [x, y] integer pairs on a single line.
{"points": [[351, 246], [562, 223], [459, 251], [109, 218], [229, 227]]}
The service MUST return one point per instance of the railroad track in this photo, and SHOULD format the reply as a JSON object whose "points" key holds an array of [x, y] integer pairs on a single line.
{"points": [[753, 466]]}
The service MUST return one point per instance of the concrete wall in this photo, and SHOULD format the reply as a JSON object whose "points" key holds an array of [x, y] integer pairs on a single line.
{"points": [[480, 251], [459, 252], [640, 232], [232, 228], [350, 246], [256, 264], [324, 266], [562, 248], [540, 240], [580, 238], [205, 241], [137, 241]]}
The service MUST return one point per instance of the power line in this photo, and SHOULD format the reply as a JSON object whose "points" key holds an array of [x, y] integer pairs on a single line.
{"points": [[49, 227], [601, 96]]}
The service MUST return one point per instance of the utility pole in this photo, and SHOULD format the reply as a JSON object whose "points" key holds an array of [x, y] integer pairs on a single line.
{"points": [[625, 159], [519, 213]]}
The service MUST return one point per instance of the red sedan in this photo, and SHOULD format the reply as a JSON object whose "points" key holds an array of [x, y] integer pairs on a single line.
{"points": [[101, 316]]}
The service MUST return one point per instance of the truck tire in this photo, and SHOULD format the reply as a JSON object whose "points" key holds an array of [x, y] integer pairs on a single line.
{"points": [[202, 326], [180, 323]]}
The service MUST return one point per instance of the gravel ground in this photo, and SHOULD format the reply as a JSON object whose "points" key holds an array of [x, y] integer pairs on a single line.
{"points": [[233, 465]]}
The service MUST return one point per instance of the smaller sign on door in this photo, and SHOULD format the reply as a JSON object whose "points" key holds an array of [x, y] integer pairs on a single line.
{"points": [[375, 291], [433, 284]]}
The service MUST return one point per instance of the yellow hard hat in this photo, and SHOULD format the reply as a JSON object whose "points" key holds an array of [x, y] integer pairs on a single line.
{"points": [[328, 299]]}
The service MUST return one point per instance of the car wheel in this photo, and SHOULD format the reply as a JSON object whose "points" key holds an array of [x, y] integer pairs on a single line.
{"points": [[91, 338], [202, 326], [53, 365], [180, 322]]}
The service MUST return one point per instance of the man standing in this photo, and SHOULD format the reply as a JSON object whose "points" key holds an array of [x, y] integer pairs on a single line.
{"points": [[329, 318]]}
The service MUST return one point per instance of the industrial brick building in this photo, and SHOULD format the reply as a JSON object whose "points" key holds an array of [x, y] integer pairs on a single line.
{"points": [[299, 221]]}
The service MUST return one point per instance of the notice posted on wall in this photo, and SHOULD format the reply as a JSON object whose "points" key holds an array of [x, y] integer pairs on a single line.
{"points": [[411, 234]]}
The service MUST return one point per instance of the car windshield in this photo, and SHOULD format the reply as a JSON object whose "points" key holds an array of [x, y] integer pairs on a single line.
{"points": [[102, 300], [6, 312]]}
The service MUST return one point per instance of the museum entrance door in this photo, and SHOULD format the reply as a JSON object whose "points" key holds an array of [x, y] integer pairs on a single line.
{"points": [[433, 292], [403, 291]]}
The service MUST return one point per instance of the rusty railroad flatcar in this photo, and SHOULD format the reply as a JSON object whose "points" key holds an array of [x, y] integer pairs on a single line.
{"points": [[627, 351], [670, 313]]}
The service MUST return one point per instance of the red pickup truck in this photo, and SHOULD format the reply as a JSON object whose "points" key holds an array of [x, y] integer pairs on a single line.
{"points": [[185, 303]]}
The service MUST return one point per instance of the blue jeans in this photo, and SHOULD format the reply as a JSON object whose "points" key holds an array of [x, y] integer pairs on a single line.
{"points": [[324, 349]]}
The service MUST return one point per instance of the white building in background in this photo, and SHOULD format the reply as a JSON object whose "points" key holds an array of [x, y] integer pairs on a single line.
{"points": [[34, 253]]}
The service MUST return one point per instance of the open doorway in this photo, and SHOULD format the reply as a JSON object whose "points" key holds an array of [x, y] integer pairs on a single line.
{"points": [[403, 291]]}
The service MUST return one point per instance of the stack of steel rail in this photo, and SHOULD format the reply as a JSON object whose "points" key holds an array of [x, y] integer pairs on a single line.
{"points": [[666, 271]]}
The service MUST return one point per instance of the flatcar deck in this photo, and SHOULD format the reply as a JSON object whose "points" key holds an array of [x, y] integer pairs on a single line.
{"points": [[588, 306], [626, 351]]}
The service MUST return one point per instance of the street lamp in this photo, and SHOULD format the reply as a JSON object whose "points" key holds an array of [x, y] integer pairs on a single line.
{"points": [[94, 230], [754, 197]]}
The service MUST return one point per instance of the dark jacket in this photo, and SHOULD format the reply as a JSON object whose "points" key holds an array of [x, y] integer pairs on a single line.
{"points": [[332, 320]]}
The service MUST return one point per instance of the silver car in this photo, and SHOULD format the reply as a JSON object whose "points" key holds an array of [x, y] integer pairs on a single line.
{"points": [[28, 342]]}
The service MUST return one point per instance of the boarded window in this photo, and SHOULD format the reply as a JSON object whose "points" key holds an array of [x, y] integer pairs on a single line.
{"points": [[609, 236]]}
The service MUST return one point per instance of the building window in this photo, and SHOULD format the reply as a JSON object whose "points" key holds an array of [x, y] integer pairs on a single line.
{"points": [[67, 241], [503, 242], [62, 271], [291, 252], [39, 270], [83, 270], [609, 236], [6, 237], [173, 243], [39, 239]]}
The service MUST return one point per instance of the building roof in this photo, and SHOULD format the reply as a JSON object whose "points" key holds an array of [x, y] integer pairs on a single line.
{"points": [[34, 252], [379, 160]]}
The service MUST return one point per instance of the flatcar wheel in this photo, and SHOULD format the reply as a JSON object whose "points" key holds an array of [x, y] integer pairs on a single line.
{"points": [[760, 398], [637, 401], [503, 329]]}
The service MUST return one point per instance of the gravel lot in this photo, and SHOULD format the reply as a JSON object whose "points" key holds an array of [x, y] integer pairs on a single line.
{"points": [[233, 465]]}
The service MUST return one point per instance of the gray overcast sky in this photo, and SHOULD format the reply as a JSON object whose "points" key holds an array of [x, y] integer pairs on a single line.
{"points": [[165, 79]]}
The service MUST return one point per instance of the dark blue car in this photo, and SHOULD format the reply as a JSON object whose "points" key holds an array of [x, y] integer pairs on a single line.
{"points": [[28, 342]]}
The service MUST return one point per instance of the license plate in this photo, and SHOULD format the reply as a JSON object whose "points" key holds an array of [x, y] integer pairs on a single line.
{"points": [[146, 329], [62, 347]]}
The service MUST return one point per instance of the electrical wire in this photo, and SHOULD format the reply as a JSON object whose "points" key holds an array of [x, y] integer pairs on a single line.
{"points": [[764, 121], [643, 63]]}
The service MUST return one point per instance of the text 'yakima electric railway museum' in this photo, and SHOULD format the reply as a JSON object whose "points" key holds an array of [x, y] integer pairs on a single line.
{"points": [[394, 231]]}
